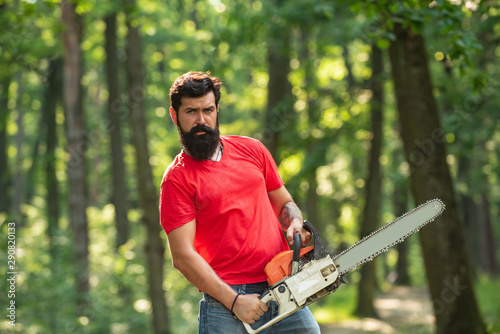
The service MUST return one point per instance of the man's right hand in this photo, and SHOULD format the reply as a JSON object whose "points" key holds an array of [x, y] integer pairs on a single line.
{"points": [[249, 308]]}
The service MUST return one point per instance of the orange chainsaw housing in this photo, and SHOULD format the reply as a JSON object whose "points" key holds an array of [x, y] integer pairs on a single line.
{"points": [[281, 265]]}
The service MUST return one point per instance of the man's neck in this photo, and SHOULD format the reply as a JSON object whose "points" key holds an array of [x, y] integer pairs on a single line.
{"points": [[218, 153]]}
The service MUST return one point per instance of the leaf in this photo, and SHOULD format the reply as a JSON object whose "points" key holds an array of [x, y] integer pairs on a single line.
{"points": [[383, 43]]}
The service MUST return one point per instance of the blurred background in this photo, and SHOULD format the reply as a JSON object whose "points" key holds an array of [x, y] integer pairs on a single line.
{"points": [[369, 109]]}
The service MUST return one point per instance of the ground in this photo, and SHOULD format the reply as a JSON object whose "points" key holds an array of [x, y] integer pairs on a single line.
{"points": [[401, 310]]}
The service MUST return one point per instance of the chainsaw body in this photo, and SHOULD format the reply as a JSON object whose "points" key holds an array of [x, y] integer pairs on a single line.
{"points": [[317, 278], [300, 277]]}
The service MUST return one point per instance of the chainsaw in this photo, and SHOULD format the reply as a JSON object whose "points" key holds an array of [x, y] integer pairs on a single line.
{"points": [[302, 276]]}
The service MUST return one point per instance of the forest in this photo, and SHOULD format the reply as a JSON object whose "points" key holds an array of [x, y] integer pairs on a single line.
{"points": [[369, 108]]}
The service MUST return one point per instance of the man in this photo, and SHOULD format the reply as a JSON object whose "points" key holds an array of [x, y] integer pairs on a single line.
{"points": [[223, 206]]}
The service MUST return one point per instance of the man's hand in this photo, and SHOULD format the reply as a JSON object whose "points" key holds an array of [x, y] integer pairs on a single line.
{"points": [[249, 308], [298, 227]]}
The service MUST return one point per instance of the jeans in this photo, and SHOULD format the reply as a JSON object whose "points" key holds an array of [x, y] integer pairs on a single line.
{"points": [[214, 318]]}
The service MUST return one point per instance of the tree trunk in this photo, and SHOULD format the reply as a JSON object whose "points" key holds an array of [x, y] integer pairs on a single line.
{"points": [[52, 96], [29, 185], [53, 91], [484, 244], [4, 170], [19, 138], [279, 91], [443, 243], [468, 212], [400, 203], [488, 245], [148, 195], [351, 82], [279, 110], [371, 208], [75, 130], [115, 118]]}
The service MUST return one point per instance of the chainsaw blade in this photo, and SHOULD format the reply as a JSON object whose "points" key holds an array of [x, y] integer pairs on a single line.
{"points": [[388, 236]]}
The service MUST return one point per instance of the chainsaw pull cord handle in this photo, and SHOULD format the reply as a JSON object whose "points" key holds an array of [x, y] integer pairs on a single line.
{"points": [[297, 243]]}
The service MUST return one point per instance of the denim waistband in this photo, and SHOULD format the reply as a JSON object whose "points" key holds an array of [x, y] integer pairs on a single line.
{"points": [[247, 289], [250, 288]]}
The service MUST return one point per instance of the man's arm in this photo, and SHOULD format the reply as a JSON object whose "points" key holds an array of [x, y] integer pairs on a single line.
{"points": [[198, 272], [289, 215]]}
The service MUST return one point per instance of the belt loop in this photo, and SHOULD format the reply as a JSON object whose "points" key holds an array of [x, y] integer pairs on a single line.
{"points": [[239, 288]]}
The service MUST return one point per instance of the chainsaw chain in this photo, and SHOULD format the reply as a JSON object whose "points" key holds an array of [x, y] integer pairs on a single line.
{"points": [[370, 258]]}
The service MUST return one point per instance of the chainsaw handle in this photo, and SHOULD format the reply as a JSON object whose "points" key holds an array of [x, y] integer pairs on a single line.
{"points": [[319, 250], [297, 243], [266, 297]]}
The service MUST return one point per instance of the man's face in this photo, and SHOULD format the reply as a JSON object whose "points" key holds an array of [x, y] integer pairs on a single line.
{"points": [[198, 126]]}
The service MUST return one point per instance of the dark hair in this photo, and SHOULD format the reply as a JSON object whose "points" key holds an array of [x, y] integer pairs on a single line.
{"points": [[194, 84]]}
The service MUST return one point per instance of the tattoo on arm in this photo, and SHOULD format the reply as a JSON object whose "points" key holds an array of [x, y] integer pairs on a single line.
{"points": [[289, 212]]}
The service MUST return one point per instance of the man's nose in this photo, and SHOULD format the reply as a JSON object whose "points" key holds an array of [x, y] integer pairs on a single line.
{"points": [[200, 120]]}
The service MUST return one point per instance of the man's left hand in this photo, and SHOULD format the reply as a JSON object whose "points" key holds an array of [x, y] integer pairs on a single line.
{"points": [[298, 227]]}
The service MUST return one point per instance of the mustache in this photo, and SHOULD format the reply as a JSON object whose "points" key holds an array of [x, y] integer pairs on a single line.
{"points": [[204, 128]]}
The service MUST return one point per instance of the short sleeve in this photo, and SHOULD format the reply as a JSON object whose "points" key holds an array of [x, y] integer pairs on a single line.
{"points": [[176, 204], [271, 175]]}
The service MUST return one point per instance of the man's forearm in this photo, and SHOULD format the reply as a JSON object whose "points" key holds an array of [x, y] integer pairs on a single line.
{"points": [[289, 213], [194, 268], [247, 308], [292, 222]]}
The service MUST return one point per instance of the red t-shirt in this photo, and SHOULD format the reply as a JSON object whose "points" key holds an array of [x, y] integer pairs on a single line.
{"points": [[237, 231]]}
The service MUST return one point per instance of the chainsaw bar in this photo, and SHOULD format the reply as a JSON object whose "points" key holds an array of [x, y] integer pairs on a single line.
{"points": [[388, 236]]}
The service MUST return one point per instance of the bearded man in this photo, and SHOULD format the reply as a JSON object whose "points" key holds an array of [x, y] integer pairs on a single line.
{"points": [[224, 208]]}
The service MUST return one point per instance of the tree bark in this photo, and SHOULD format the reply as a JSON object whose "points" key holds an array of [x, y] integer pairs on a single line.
{"points": [[75, 130], [52, 96], [443, 244], [154, 247], [279, 91], [468, 212], [488, 245], [371, 210], [115, 118], [351, 82], [31, 173], [4, 166], [308, 170], [53, 91], [279, 110], [17, 193], [400, 203]]}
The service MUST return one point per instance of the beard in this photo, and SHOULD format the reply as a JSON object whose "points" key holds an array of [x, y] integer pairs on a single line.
{"points": [[200, 147]]}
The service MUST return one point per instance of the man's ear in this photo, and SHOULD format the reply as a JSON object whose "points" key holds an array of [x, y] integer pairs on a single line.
{"points": [[173, 115]]}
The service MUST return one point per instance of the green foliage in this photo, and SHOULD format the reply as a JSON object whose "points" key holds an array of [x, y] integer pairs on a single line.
{"points": [[486, 289], [325, 136], [446, 18], [336, 307], [340, 305], [45, 295]]}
